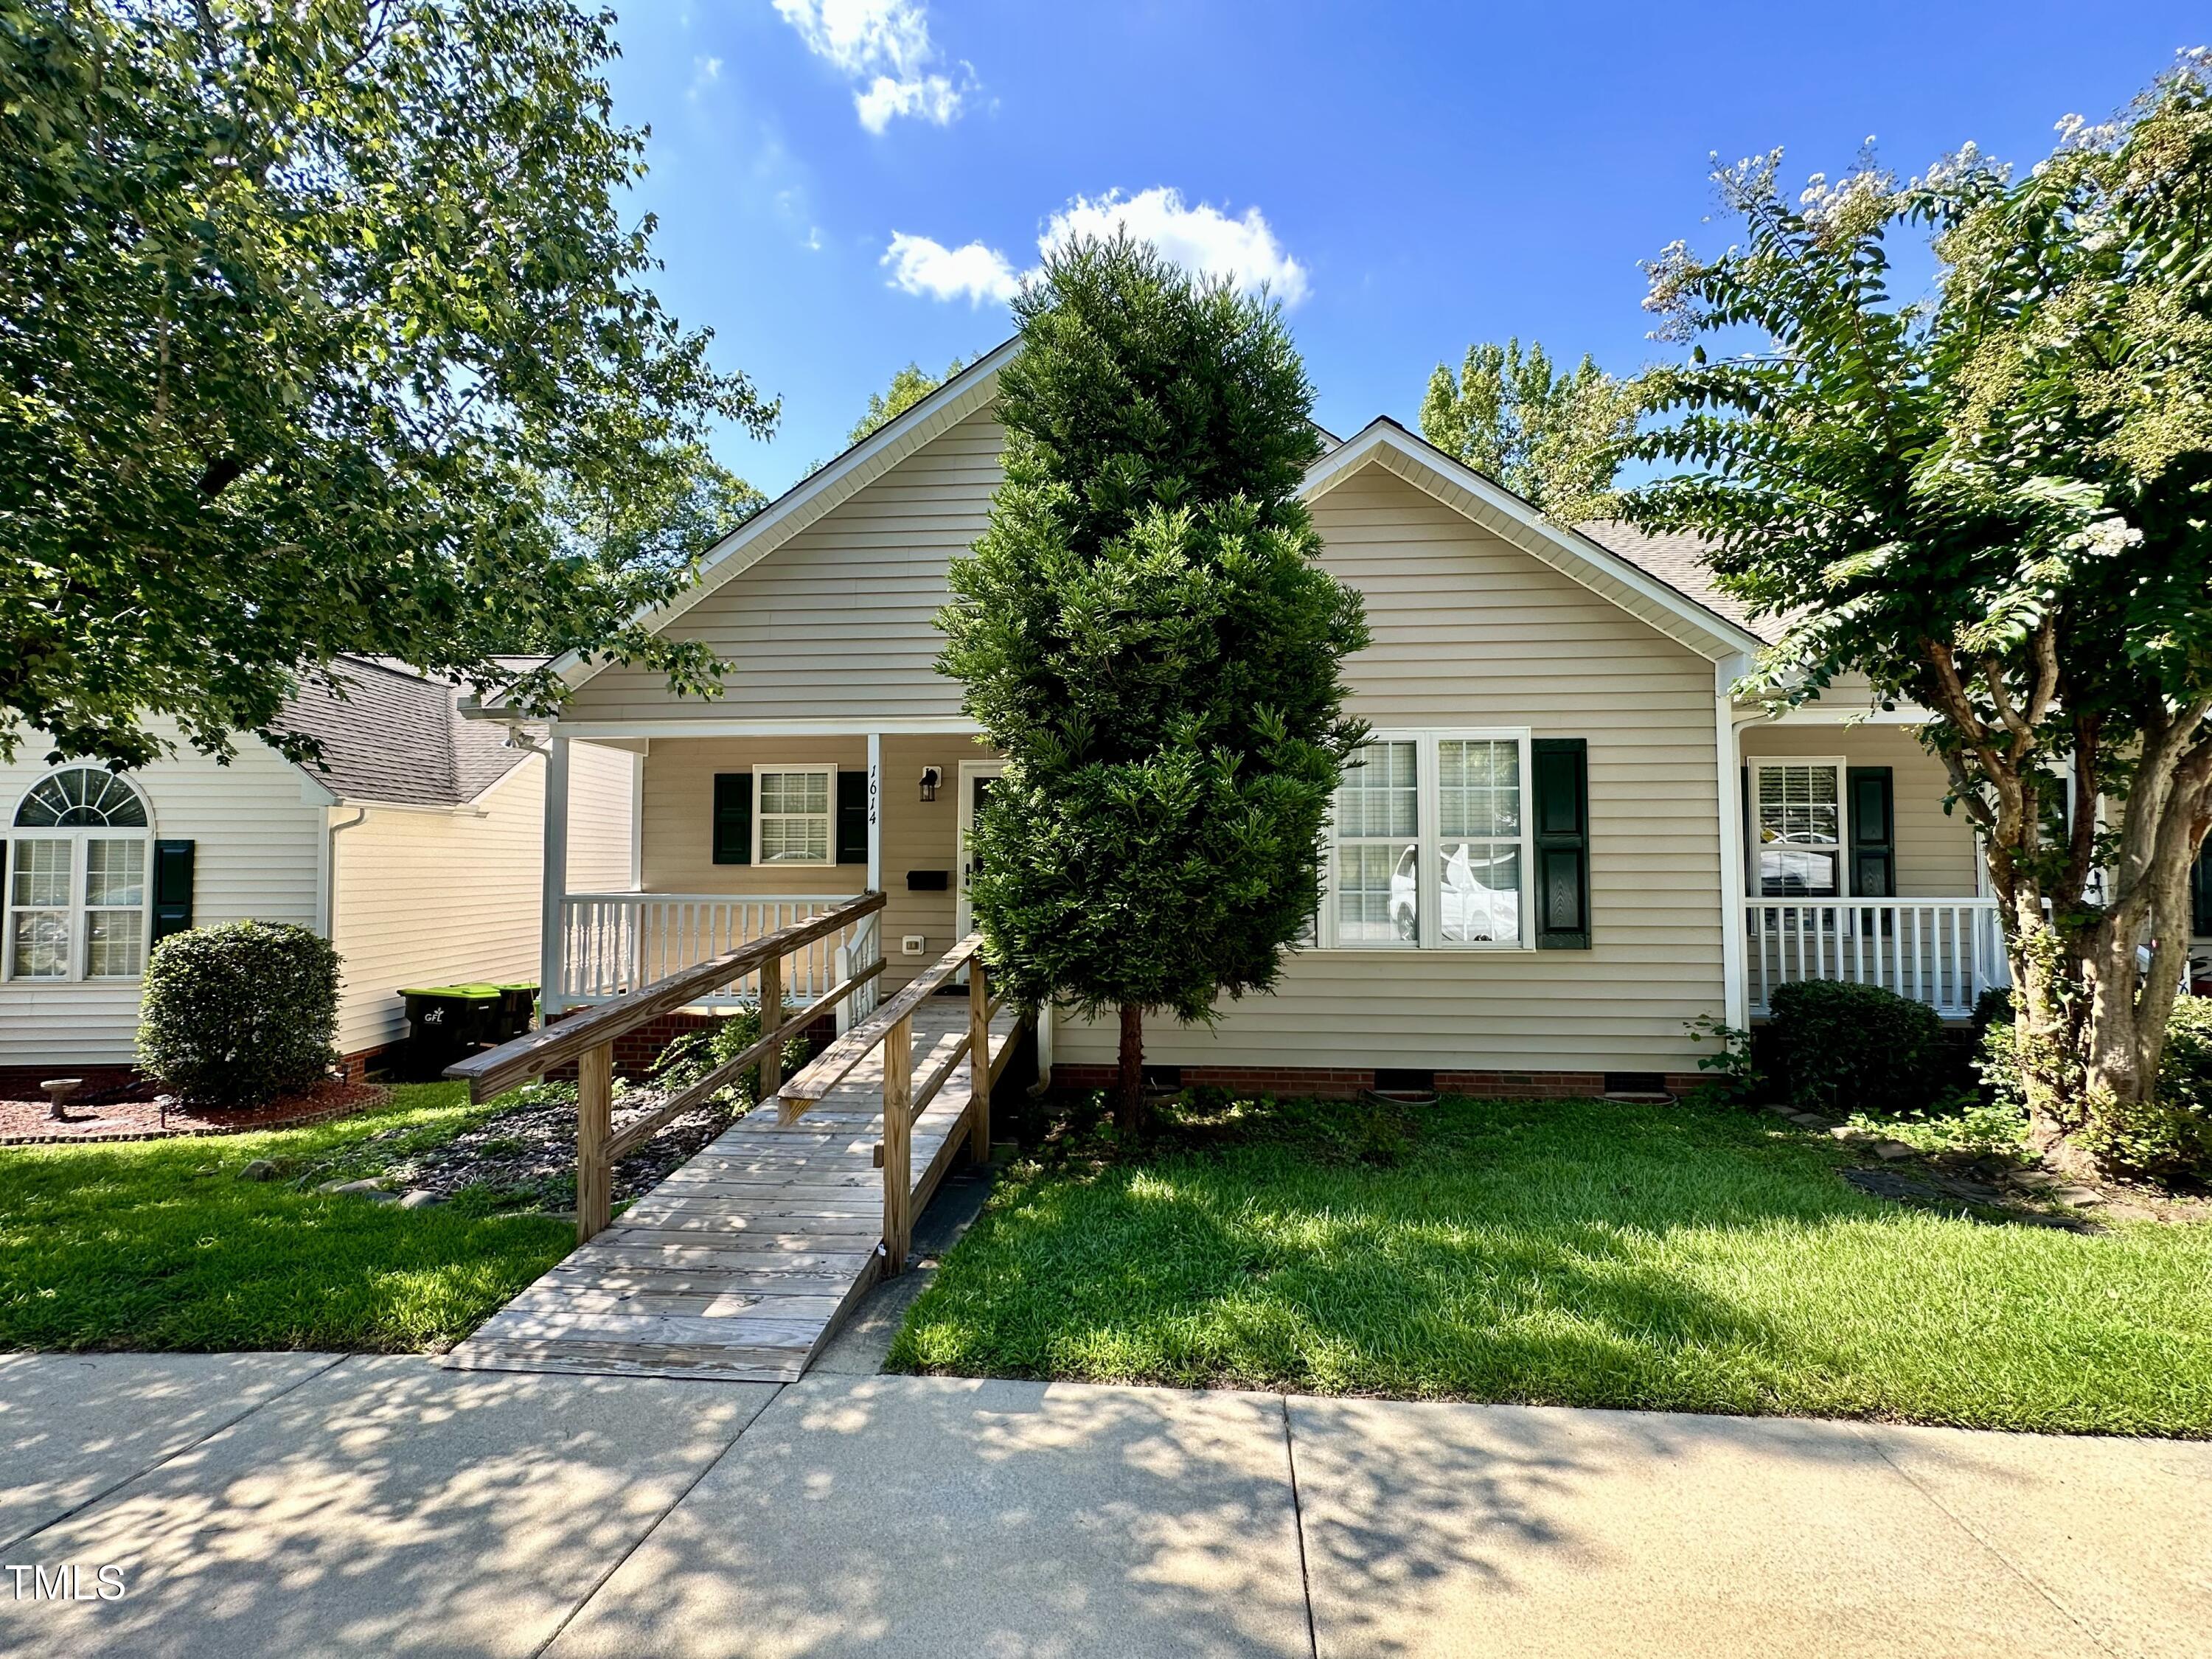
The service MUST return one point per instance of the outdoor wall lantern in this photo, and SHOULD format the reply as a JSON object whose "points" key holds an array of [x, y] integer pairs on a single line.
{"points": [[931, 777]]}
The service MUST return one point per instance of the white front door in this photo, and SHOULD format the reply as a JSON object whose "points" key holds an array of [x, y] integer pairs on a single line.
{"points": [[976, 778]]}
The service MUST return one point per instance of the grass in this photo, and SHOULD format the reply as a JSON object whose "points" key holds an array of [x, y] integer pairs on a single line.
{"points": [[1685, 1258], [158, 1245]]}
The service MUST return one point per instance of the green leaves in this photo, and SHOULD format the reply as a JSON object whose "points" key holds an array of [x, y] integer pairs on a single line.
{"points": [[1553, 438], [1144, 632], [324, 333]]}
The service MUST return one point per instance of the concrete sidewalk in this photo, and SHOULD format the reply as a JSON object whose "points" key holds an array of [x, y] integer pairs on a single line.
{"points": [[302, 1504]]}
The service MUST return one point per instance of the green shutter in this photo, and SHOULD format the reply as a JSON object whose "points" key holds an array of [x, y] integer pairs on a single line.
{"points": [[852, 818], [733, 817], [1562, 793], [173, 888], [1874, 832]]}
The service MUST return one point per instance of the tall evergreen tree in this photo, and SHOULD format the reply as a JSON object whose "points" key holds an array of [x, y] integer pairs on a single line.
{"points": [[1145, 633]]}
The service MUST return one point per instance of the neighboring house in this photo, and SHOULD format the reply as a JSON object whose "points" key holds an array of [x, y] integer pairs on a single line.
{"points": [[1566, 841], [414, 849]]}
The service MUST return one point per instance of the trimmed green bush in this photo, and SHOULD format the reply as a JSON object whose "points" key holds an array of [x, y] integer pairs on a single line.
{"points": [[233, 1015], [1842, 1047], [2171, 1135]]}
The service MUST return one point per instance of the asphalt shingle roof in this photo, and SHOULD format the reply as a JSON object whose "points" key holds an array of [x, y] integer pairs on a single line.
{"points": [[1678, 559], [392, 735]]}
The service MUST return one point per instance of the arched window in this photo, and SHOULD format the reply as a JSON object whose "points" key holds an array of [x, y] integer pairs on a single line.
{"points": [[76, 882]]}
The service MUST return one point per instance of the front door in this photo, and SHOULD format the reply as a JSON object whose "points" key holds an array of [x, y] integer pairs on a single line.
{"points": [[976, 778]]}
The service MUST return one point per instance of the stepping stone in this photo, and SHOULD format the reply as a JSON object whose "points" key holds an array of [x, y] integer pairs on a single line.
{"points": [[1890, 1150], [261, 1168], [420, 1198], [2077, 1198]]}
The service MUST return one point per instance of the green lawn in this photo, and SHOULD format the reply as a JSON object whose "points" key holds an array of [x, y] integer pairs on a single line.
{"points": [[1577, 1253], [158, 1245]]}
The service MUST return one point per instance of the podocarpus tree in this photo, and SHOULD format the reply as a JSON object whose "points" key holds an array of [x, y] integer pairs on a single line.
{"points": [[1145, 633], [1993, 504], [1554, 437], [322, 329]]}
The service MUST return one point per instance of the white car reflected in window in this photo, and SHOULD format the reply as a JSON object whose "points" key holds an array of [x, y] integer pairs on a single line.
{"points": [[1480, 897]]}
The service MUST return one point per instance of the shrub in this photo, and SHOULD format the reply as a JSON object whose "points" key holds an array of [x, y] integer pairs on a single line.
{"points": [[235, 1014], [2171, 1134], [691, 1056], [1854, 1047]]}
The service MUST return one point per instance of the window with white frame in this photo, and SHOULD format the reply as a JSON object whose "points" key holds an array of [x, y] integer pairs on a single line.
{"points": [[1797, 820], [1429, 842], [77, 896], [794, 814]]}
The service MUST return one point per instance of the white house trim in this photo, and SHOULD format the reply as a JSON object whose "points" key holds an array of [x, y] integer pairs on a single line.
{"points": [[877, 725]]}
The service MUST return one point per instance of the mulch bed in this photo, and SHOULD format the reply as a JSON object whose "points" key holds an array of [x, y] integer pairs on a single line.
{"points": [[124, 1106], [526, 1154]]}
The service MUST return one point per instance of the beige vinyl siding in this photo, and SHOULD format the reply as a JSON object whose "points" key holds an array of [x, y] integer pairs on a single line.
{"points": [[1468, 631], [453, 897], [1936, 855], [256, 847], [678, 828], [837, 624], [603, 778]]}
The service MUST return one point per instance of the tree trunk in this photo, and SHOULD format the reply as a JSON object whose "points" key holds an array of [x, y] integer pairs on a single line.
{"points": [[1129, 1116]]}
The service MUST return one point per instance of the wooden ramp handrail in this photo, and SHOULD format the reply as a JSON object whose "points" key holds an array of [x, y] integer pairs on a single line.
{"points": [[497, 1070], [589, 1040], [827, 1069], [891, 1029]]}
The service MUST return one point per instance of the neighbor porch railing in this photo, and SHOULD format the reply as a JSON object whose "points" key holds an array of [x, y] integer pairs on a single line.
{"points": [[1944, 952], [614, 943]]}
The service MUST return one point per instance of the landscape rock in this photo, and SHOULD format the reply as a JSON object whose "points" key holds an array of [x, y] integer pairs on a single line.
{"points": [[1890, 1150], [261, 1168], [419, 1198], [2077, 1198]]}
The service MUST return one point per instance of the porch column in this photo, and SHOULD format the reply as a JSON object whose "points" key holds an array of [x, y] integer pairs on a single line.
{"points": [[1728, 744], [875, 811], [554, 883]]}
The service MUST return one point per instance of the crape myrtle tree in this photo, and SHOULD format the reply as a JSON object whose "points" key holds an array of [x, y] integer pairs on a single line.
{"points": [[323, 330], [1554, 437], [1145, 633], [1994, 503]]}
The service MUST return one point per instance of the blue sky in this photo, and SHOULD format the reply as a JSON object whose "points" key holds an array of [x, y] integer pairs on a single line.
{"points": [[1416, 178]]}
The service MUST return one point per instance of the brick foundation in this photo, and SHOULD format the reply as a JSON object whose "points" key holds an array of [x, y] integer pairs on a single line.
{"points": [[1332, 1083]]}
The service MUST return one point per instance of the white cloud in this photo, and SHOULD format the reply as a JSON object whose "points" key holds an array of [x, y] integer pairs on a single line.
{"points": [[884, 47], [1202, 239], [922, 266], [705, 71]]}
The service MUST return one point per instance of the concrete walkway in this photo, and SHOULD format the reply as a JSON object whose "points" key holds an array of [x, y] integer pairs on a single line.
{"points": [[299, 1504]]}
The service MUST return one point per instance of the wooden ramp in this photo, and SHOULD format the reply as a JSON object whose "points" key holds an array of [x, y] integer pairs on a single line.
{"points": [[741, 1264]]}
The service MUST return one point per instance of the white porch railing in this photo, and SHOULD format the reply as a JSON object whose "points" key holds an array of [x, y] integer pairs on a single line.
{"points": [[1944, 952], [613, 944]]}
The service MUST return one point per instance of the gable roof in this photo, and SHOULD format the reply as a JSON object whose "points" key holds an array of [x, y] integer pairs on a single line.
{"points": [[974, 388], [1646, 593], [392, 736]]}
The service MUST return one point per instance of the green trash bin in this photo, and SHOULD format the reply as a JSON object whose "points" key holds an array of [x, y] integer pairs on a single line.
{"points": [[447, 1023]]}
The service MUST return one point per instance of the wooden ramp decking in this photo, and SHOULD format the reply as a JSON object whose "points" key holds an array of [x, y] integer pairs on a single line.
{"points": [[742, 1263]]}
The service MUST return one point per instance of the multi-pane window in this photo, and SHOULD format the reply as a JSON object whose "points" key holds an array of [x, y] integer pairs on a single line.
{"points": [[77, 888], [794, 815], [1798, 820], [1429, 841]]}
